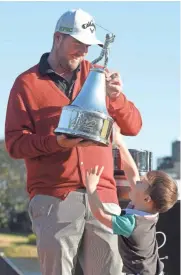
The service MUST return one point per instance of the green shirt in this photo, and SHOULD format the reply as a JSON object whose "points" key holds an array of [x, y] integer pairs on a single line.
{"points": [[123, 225]]}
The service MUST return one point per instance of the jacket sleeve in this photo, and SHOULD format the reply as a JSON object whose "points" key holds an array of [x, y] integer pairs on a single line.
{"points": [[125, 114], [21, 140]]}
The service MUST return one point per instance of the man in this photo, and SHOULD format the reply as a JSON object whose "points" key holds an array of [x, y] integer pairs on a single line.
{"points": [[56, 165]]}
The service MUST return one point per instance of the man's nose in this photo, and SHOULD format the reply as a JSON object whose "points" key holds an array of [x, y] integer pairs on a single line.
{"points": [[84, 48]]}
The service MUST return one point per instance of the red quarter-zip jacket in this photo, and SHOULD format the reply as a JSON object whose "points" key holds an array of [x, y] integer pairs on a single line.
{"points": [[33, 112]]}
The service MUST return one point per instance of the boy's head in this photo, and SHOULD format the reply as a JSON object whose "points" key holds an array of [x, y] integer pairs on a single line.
{"points": [[156, 192]]}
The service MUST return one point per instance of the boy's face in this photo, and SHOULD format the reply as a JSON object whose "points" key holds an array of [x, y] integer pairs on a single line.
{"points": [[138, 194]]}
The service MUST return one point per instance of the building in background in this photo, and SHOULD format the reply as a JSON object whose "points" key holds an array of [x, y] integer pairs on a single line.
{"points": [[171, 164], [176, 151]]}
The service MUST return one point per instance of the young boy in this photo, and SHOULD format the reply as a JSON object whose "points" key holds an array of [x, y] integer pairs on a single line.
{"points": [[154, 193]]}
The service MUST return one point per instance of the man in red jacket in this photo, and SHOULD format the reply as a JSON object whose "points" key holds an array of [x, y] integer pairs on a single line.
{"points": [[56, 166]]}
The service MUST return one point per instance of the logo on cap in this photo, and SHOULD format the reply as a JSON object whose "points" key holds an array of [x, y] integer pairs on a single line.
{"points": [[89, 24], [65, 29]]}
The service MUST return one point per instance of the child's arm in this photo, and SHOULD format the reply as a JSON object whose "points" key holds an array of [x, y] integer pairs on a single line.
{"points": [[92, 179], [130, 168], [121, 225], [98, 209]]}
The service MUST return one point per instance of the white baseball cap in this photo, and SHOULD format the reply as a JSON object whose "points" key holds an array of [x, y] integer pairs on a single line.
{"points": [[80, 25]]}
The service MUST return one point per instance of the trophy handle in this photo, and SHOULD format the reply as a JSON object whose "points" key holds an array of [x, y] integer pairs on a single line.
{"points": [[105, 50]]}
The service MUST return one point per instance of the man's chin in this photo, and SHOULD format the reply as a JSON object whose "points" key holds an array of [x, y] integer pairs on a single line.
{"points": [[74, 63]]}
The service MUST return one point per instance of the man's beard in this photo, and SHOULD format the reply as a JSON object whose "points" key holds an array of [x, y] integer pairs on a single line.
{"points": [[70, 65]]}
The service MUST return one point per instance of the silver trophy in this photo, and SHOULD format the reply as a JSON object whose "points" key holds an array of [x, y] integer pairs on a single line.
{"points": [[87, 116], [142, 158]]}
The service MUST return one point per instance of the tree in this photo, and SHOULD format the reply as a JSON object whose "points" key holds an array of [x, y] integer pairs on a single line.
{"points": [[13, 196]]}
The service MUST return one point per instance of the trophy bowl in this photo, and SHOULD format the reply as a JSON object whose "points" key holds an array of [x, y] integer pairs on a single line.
{"points": [[89, 125]]}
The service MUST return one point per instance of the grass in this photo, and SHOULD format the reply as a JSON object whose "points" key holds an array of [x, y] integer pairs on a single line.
{"points": [[17, 246]]}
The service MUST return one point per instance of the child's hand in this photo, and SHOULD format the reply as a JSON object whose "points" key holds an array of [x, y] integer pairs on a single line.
{"points": [[92, 178]]}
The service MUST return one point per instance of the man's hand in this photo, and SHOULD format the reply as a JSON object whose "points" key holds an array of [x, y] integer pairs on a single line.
{"points": [[92, 178], [113, 85], [69, 143]]}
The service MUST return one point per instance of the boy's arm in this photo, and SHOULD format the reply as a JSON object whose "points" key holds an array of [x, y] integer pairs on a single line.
{"points": [[92, 180], [130, 168], [121, 225], [98, 209]]}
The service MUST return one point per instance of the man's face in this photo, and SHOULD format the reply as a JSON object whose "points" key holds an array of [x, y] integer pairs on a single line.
{"points": [[70, 51]]}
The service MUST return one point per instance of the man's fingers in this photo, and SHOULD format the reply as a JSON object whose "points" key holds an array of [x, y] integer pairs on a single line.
{"points": [[114, 87], [73, 142], [87, 143], [68, 142], [115, 81], [112, 74], [62, 137], [115, 75]]}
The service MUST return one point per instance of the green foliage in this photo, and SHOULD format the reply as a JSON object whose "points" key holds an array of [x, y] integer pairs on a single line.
{"points": [[32, 239], [12, 186], [21, 251]]}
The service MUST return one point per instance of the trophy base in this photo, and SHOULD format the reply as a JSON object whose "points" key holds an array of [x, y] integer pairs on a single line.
{"points": [[89, 125]]}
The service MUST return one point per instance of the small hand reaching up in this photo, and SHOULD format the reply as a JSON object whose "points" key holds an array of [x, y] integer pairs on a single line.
{"points": [[117, 136], [92, 178]]}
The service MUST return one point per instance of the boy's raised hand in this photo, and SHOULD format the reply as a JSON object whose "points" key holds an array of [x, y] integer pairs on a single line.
{"points": [[92, 178], [117, 136]]}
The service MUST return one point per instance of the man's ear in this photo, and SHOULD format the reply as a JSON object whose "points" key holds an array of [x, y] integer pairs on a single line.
{"points": [[57, 38]]}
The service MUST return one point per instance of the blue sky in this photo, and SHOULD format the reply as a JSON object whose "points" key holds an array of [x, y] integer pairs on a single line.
{"points": [[146, 52]]}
